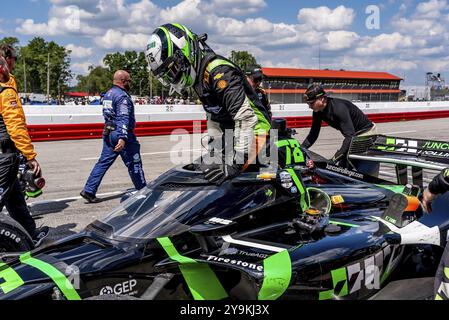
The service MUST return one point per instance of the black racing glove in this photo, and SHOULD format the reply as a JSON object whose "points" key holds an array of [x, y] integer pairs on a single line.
{"points": [[440, 184], [218, 174]]}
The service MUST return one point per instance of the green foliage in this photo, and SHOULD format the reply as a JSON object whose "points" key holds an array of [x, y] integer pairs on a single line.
{"points": [[32, 61], [11, 41], [98, 80], [243, 59], [134, 63]]}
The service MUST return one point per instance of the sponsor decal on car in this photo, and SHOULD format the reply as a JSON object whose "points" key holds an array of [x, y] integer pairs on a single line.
{"points": [[219, 221], [436, 145], [338, 199], [364, 274], [440, 154], [123, 288], [400, 145], [253, 254], [344, 171], [241, 263]]}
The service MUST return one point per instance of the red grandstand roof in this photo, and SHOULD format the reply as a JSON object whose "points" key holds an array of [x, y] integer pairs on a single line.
{"points": [[330, 74], [330, 90], [77, 94]]}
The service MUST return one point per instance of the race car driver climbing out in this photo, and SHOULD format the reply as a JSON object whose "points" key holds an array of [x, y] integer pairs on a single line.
{"points": [[181, 59]]}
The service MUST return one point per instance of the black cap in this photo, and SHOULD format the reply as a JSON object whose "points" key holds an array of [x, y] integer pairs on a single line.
{"points": [[255, 72], [314, 91]]}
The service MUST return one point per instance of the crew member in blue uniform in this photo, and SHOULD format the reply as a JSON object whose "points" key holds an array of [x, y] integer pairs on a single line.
{"points": [[118, 138]]}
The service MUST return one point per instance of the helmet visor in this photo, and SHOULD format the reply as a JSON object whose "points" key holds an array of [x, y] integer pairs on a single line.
{"points": [[171, 71]]}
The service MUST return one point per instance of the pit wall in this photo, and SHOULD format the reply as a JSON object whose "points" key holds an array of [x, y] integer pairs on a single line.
{"points": [[49, 123]]}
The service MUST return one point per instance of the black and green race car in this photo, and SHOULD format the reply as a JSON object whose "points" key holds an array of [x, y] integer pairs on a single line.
{"points": [[184, 238]]}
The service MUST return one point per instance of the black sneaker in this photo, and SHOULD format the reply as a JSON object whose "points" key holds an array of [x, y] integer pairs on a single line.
{"points": [[40, 234], [89, 197]]}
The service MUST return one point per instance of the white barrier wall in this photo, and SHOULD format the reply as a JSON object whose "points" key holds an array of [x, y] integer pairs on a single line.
{"points": [[38, 115]]}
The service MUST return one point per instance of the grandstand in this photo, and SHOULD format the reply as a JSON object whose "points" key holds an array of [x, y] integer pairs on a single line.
{"points": [[288, 85]]}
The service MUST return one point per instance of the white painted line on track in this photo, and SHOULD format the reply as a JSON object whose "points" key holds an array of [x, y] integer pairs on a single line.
{"points": [[114, 193], [150, 154], [412, 131]]}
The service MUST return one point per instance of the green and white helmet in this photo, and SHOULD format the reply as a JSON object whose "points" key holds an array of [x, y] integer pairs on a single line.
{"points": [[173, 55]]}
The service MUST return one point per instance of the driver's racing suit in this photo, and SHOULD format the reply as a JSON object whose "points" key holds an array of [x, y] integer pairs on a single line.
{"points": [[439, 185], [230, 103]]}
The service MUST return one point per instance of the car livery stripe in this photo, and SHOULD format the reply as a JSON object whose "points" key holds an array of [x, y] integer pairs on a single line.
{"points": [[57, 276], [338, 278], [202, 281], [301, 190], [277, 276], [394, 188], [230, 239], [11, 280], [277, 269], [344, 224]]}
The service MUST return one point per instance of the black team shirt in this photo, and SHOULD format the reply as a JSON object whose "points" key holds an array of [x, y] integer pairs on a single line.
{"points": [[342, 115]]}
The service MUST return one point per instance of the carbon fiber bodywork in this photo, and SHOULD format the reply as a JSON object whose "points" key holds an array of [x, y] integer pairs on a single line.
{"points": [[238, 241]]}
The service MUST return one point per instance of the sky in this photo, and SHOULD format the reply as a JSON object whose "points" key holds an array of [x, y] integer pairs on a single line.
{"points": [[406, 38]]}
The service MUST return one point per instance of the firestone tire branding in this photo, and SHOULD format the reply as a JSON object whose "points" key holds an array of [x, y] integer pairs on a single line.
{"points": [[11, 235], [251, 266]]}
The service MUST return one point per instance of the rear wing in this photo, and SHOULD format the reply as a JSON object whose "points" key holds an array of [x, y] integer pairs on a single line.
{"points": [[402, 153]]}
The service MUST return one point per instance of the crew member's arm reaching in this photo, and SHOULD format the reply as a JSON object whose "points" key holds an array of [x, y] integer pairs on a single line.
{"points": [[439, 185]]}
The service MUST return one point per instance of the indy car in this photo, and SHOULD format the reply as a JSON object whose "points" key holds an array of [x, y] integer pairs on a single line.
{"points": [[184, 238]]}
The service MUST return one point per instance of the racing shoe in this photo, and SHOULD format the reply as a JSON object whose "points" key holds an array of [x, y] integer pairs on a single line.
{"points": [[89, 197], [39, 235]]}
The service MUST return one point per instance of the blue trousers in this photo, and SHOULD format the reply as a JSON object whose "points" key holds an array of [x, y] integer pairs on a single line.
{"points": [[130, 156]]}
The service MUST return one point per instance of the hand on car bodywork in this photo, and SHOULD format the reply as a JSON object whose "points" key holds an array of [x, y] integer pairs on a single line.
{"points": [[120, 145], [218, 174], [427, 199]]}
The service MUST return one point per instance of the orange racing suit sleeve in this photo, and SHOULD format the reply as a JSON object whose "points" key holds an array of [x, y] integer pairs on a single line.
{"points": [[12, 82], [14, 118]]}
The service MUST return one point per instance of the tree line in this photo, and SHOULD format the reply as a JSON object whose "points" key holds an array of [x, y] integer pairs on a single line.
{"points": [[32, 66], [143, 83]]}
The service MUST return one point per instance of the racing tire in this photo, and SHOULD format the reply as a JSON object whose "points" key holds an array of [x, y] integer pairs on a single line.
{"points": [[13, 237]]}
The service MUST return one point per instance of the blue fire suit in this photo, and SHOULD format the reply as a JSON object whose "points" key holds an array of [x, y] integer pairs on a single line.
{"points": [[120, 122]]}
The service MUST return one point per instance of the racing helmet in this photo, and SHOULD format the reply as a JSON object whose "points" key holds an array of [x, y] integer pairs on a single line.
{"points": [[173, 56]]}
